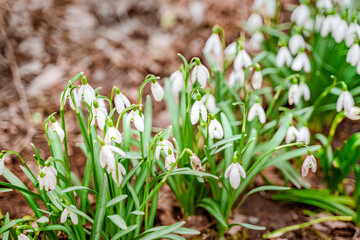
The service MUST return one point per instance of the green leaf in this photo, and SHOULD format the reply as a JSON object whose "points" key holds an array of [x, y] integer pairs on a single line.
{"points": [[10, 225], [116, 200], [173, 237], [7, 233], [56, 227], [118, 221], [100, 209], [75, 188], [214, 209], [122, 233], [2, 190], [160, 233], [43, 219], [137, 212], [21, 189], [249, 226]]}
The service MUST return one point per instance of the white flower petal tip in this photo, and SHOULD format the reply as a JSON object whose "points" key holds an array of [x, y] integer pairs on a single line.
{"points": [[195, 163], [304, 91], [197, 109], [134, 116], [296, 43], [177, 82], [170, 161], [291, 134], [257, 110], [234, 172], [22, 237], [309, 162], [256, 80], [237, 77], [265, 7], [68, 213], [254, 22], [113, 134], [121, 102], [107, 157], [201, 74], [87, 93], [294, 94], [55, 126], [283, 57], [119, 175], [242, 60], [157, 91], [345, 101], [213, 46], [303, 135], [210, 102], [215, 129], [47, 178], [353, 55], [300, 15], [99, 115], [300, 62]]}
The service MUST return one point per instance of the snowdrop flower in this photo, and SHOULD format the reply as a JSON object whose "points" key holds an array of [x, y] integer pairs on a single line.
{"points": [[170, 160], [296, 43], [353, 55], [118, 177], [137, 119], [318, 22], [66, 213], [213, 46], [345, 101], [257, 110], [237, 77], [328, 24], [256, 79], [303, 135], [301, 61], [234, 172], [195, 163], [164, 145], [324, 4], [112, 134], [283, 57], [47, 178], [352, 31], [2, 164], [86, 91], [291, 134], [343, 3], [300, 15], [200, 73], [265, 7], [177, 82], [55, 126], [157, 91], [304, 91], [256, 40], [197, 109], [67, 95], [255, 22], [353, 114], [215, 128], [107, 157], [339, 32], [22, 237], [209, 101], [230, 50], [294, 94], [102, 105], [310, 162], [99, 114], [242, 60], [121, 101]]}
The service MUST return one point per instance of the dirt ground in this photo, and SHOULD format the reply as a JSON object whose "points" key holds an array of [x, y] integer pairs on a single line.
{"points": [[115, 43]]}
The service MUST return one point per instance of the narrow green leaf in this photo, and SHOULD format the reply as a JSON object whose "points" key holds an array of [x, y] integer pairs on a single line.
{"points": [[116, 200], [10, 225], [137, 212], [162, 232], [56, 227], [75, 188], [2, 190], [118, 221], [100, 210], [214, 209], [122, 233], [249, 226]]}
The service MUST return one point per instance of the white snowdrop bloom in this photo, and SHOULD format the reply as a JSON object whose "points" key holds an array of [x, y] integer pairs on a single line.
{"points": [[301, 61], [137, 119], [353, 113], [339, 32], [215, 129], [353, 55], [242, 60], [23, 237], [86, 92], [256, 40], [195, 163], [343, 3], [157, 91], [291, 134], [2, 164], [47, 178], [304, 91], [283, 57], [213, 45], [67, 96], [352, 31], [294, 94], [234, 172], [265, 7], [102, 105], [303, 135], [55, 126], [309, 26], [170, 161], [99, 114], [256, 80], [230, 50], [107, 157], [296, 43], [345, 101], [327, 25], [121, 101], [68, 213], [164, 145], [318, 22], [112, 134], [324, 4], [310, 162], [197, 109], [257, 110], [237, 77], [209, 101], [254, 22], [201, 73], [177, 82], [300, 15], [119, 176]]}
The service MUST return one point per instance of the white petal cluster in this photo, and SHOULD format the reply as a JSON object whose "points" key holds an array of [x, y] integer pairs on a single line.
{"points": [[230, 50], [48, 179], [197, 109], [283, 57], [345, 101], [201, 74], [254, 22], [300, 15], [294, 94], [195, 163], [112, 134], [55, 126], [209, 101], [87, 93], [177, 82], [157, 91], [107, 157], [237, 77], [163, 145], [310, 162], [304, 91], [339, 32], [215, 129], [67, 96], [213, 46], [234, 172], [138, 120], [256, 80], [353, 113], [170, 161], [100, 115], [121, 102], [301, 61], [265, 7], [291, 134], [303, 135], [242, 60], [353, 55], [324, 4], [257, 110], [68, 213], [119, 176], [102, 105], [352, 32], [296, 43], [255, 41]]}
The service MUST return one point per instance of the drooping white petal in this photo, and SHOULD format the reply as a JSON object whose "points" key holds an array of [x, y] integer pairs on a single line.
{"points": [[294, 94], [118, 177], [283, 57], [228, 170], [303, 135], [324, 4], [157, 91], [256, 80], [23, 237], [209, 101], [177, 82], [353, 55], [119, 104], [170, 161], [234, 178], [254, 22], [73, 216], [339, 32], [137, 119], [230, 50], [201, 73], [195, 112], [213, 45], [88, 93], [113, 134], [296, 43], [309, 162], [203, 111], [215, 129], [237, 77], [255, 41], [345, 101], [301, 61], [300, 15], [117, 150], [257, 110], [304, 91], [242, 60], [64, 215], [58, 130], [353, 114], [291, 134]]}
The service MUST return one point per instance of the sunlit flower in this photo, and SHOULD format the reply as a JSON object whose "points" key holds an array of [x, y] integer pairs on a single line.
{"points": [[112, 134], [170, 161], [138, 120], [200, 73], [102, 105], [197, 109], [303, 135], [255, 22], [230, 50], [300, 15], [296, 43], [304, 91], [22, 237], [237, 77], [255, 41], [257, 110], [324, 4], [339, 32], [164, 145], [242, 60], [66, 213], [318, 22], [157, 91], [234, 172], [265, 7], [294, 94], [213, 46], [209, 101], [283, 57], [215, 129], [107, 157], [119, 176], [177, 82], [291, 134], [86, 92], [353, 113], [301, 61], [121, 101], [195, 163], [47, 178], [256, 79], [99, 114], [310, 162], [353, 55], [345, 101], [55, 126], [352, 31], [328, 24]]}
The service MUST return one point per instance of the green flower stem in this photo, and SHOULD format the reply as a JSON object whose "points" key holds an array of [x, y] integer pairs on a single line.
{"points": [[284, 230], [123, 112], [337, 120]]}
